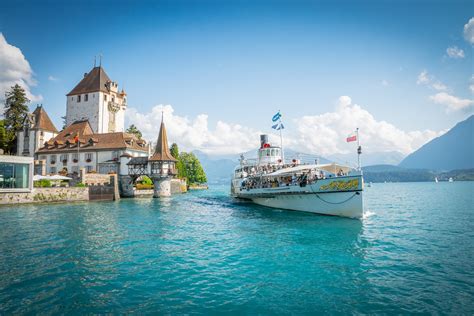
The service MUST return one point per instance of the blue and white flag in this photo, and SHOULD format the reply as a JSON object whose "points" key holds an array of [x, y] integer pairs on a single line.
{"points": [[276, 117], [278, 126]]}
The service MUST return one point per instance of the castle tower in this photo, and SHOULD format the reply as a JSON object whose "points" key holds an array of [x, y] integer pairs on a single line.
{"points": [[97, 99], [162, 165]]}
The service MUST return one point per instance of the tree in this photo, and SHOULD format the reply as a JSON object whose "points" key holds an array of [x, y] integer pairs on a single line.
{"points": [[174, 150], [192, 167], [3, 136], [135, 131], [179, 164], [16, 108]]}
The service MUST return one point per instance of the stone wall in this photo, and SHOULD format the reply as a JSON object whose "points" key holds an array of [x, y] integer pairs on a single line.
{"points": [[42, 195], [178, 186]]}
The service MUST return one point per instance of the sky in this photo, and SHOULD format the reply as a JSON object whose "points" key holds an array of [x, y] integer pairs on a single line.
{"points": [[401, 71]]}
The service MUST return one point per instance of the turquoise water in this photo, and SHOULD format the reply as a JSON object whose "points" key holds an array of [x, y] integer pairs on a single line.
{"points": [[204, 253]]}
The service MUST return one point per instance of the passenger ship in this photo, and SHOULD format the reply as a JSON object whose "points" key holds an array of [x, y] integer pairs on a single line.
{"points": [[328, 189]]}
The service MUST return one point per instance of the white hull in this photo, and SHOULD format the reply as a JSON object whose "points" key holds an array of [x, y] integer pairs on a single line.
{"points": [[315, 198]]}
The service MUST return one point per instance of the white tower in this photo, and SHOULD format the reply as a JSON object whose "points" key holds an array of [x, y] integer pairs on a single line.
{"points": [[97, 99]]}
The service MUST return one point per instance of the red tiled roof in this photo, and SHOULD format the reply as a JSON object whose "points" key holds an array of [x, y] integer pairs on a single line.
{"points": [[83, 131]]}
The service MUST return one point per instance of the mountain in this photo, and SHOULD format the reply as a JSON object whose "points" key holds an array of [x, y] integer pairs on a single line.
{"points": [[218, 170], [368, 159], [453, 150]]}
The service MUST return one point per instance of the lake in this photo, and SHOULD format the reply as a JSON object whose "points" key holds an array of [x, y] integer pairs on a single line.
{"points": [[202, 252]]}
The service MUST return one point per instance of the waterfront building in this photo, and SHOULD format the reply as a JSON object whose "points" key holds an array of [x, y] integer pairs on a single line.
{"points": [[16, 174], [94, 137], [160, 167]]}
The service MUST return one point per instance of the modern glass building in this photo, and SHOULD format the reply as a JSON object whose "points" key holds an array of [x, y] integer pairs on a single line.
{"points": [[16, 173]]}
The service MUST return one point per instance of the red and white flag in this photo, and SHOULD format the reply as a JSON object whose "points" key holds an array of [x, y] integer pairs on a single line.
{"points": [[351, 138]]}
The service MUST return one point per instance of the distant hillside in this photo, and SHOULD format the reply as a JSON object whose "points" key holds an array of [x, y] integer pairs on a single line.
{"points": [[453, 150], [390, 173]]}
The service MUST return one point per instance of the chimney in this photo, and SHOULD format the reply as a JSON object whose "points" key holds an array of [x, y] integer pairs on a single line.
{"points": [[263, 140], [85, 74]]}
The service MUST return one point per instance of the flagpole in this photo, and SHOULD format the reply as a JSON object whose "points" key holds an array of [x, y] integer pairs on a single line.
{"points": [[281, 143], [359, 149]]}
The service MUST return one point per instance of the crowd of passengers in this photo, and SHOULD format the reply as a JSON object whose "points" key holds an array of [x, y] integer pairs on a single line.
{"points": [[299, 180]]}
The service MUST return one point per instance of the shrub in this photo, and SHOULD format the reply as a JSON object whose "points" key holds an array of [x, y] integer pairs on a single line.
{"points": [[44, 183], [80, 185]]}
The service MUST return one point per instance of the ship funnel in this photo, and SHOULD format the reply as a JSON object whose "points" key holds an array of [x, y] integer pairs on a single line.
{"points": [[263, 140]]}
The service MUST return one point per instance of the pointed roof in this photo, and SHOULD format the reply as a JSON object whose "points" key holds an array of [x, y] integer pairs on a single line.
{"points": [[162, 151], [95, 80], [42, 120]]}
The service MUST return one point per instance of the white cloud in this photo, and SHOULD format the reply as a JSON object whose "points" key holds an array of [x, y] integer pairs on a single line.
{"points": [[469, 31], [455, 52], [423, 78], [52, 78], [471, 86], [323, 134], [428, 80], [439, 86], [15, 69], [451, 102], [384, 83], [223, 138]]}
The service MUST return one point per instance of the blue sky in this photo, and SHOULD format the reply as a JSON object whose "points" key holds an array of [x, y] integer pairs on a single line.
{"points": [[240, 61]]}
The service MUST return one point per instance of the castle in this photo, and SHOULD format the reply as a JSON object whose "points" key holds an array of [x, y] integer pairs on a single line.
{"points": [[93, 138]]}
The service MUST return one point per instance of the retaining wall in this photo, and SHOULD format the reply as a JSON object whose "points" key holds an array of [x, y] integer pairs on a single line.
{"points": [[43, 195]]}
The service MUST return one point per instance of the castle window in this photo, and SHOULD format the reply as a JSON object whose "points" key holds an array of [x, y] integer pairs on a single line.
{"points": [[86, 97], [105, 97], [53, 159], [75, 169], [89, 169], [52, 170], [78, 98]]}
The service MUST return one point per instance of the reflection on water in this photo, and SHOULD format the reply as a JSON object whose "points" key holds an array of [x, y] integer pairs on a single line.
{"points": [[204, 252]]}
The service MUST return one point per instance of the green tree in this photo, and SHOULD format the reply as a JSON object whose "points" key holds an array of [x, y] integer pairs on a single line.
{"points": [[15, 110], [174, 150], [179, 164], [3, 136], [132, 129], [193, 168]]}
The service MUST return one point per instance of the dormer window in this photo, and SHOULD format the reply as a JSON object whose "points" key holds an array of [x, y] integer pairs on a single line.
{"points": [[78, 98]]}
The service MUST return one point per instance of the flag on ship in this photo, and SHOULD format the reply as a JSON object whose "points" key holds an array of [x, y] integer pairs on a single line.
{"points": [[352, 137], [276, 117]]}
